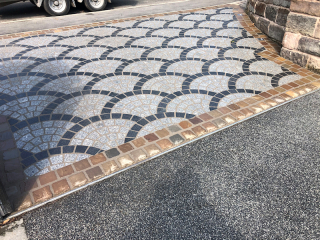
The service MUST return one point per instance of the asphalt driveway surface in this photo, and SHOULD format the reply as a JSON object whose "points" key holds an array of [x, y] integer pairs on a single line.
{"points": [[257, 180]]}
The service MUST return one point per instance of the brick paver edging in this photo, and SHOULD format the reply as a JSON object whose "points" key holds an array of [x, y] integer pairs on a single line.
{"points": [[64, 181]]}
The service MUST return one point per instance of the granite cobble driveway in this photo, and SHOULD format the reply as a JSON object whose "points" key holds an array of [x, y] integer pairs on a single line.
{"points": [[73, 94]]}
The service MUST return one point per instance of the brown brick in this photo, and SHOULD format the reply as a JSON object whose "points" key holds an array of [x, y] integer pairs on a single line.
{"points": [[215, 113], [286, 86], [285, 96], [151, 137], [250, 100], [209, 126], [188, 135], [65, 171], [96, 159], [219, 122], [26, 202], [271, 102], [152, 150], [273, 92], [94, 173], [224, 110], [109, 167], [263, 105], [47, 178], [265, 94], [238, 115], [292, 94], [256, 109], [164, 144], [257, 97], [139, 142], [125, 147], [60, 187], [78, 179], [125, 161], [199, 131], [233, 107], [42, 194], [83, 164], [247, 112], [292, 84], [278, 99], [27, 185], [138, 155], [228, 119], [185, 124], [311, 87], [242, 104], [162, 133], [205, 117], [195, 120], [300, 91]]}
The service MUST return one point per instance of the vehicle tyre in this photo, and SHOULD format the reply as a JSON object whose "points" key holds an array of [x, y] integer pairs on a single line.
{"points": [[95, 5], [56, 7]]}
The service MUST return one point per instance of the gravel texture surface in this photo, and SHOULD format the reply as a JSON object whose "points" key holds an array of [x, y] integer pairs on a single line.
{"points": [[256, 180]]}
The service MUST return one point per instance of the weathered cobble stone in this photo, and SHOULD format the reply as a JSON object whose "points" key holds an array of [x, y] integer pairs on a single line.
{"points": [[276, 31], [307, 7], [282, 3], [291, 40], [271, 12], [314, 64], [282, 16], [263, 25], [317, 31], [260, 9], [295, 56], [251, 5], [303, 24], [309, 45]]}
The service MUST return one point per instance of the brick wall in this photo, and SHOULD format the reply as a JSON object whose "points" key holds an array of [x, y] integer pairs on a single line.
{"points": [[295, 24], [301, 42], [270, 16]]}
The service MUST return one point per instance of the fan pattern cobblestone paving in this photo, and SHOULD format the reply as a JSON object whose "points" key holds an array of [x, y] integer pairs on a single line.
{"points": [[72, 94]]}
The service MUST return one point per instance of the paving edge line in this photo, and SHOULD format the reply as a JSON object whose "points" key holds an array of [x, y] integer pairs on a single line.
{"points": [[101, 23], [153, 157], [164, 140]]}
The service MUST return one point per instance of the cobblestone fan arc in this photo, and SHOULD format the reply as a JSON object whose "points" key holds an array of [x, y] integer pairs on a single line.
{"points": [[76, 93]]}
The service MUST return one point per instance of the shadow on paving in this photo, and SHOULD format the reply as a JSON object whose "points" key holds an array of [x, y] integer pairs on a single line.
{"points": [[257, 180]]}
